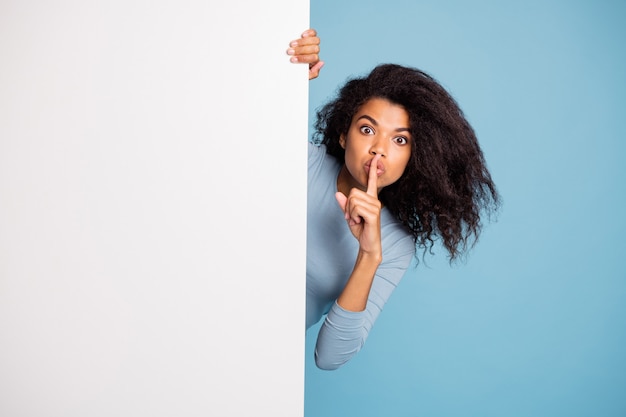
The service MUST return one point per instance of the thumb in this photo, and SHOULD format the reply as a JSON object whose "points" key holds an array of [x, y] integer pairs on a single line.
{"points": [[342, 200], [314, 71]]}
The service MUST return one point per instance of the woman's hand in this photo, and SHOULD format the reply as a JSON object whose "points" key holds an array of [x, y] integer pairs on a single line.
{"points": [[306, 51], [362, 212]]}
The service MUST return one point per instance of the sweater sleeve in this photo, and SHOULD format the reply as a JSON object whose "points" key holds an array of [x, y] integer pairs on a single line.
{"points": [[344, 332]]}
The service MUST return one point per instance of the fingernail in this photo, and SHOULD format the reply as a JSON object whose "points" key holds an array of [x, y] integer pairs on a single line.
{"points": [[290, 51], [293, 43]]}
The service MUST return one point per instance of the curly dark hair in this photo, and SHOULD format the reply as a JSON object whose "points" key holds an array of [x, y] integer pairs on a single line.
{"points": [[446, 185]]}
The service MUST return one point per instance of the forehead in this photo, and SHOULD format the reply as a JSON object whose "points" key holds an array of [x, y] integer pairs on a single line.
{"points": [[384, 112]]}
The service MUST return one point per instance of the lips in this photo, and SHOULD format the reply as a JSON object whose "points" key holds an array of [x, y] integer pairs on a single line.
{"points": [[380, 168]]}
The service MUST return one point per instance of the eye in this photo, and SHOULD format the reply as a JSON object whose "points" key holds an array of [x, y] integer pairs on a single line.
{"points": [[366, 130], [400, 140]]}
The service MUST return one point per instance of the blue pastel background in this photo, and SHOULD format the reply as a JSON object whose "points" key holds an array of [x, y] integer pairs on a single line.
{"points": [[533, 323]]}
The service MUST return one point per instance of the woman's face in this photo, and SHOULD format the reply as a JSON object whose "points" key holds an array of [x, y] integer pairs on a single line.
{"points": [[378, 127]]}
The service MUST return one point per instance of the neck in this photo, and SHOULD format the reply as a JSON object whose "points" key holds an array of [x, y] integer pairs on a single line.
{"points": [[345, 182]]}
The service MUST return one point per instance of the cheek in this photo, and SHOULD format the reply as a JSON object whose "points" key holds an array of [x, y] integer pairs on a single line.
{"points": [[403, 160], [401, 167], [407, 160], [351, 160]]}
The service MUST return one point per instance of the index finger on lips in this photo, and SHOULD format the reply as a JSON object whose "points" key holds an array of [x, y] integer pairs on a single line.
{"points": [[372, 179]]}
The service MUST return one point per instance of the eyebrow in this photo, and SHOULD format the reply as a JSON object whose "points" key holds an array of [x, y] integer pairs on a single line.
{"points": [[375, 123]]}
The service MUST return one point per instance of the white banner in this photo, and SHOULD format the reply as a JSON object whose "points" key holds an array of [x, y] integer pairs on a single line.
{"points": [[152, 208]]}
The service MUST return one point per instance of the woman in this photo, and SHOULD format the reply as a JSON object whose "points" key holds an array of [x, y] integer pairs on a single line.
{"points": [[395, 165]]}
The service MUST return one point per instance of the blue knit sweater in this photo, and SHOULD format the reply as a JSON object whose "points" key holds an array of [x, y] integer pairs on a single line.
{"points": [[331, 253]]}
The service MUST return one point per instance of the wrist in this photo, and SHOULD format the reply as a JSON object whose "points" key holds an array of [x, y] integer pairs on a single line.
{"points": [[369, 258]]}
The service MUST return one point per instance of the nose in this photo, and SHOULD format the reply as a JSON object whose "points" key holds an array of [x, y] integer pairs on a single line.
{"points": [[378, 148]]}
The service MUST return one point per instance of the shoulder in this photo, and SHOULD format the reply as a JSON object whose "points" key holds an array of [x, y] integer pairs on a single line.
{"points": [[320, 162], [316, 152]]}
